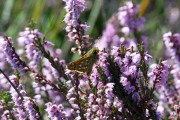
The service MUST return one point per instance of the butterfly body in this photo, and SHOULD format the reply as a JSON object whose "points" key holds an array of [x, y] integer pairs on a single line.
{"points": [[85, 63]]}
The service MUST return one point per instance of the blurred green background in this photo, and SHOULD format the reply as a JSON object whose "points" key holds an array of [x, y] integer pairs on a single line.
{"points": [[161, 16]]}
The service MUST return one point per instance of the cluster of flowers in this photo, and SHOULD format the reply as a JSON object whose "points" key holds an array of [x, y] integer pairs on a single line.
{"points": [[76, 30], [121, 84]]}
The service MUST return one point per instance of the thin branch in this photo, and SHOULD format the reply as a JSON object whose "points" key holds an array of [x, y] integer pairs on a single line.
{"points": [[12, 84]]}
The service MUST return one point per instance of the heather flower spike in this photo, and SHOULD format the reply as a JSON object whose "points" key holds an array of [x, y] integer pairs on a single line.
{"points": [[85, 63], [12, 57], [75, 29], [115, 80]]}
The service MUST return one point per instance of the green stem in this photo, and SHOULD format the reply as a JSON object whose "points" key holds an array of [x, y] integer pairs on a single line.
{"points": [[54, 64], [12, 84]]}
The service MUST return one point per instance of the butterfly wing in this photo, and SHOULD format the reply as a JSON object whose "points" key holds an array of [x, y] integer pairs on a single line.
{"points": [[80, 65], [85, 63]]}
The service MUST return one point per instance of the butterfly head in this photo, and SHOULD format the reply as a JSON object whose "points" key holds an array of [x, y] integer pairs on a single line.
{"points": [[94, 52]]}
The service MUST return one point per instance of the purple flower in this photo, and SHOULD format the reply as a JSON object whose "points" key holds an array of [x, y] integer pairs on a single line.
{"points": [[128, 22], [23, 107], [109, 37], [128, 65], [136, 96], [11, 56], [175, 115], [76, 30], [5, 115], [168, 94], [73, 95], [73, 9], [159, 74], [55, 112], [3, 61], [172, 42], [95, 76], [31, 108], [84, 83], [4, 83], [103, 63], [50, 72], [103, 100], [127, 16], [27, 38], [152, 107], [100, 104], [176, 75], [21, 112]]}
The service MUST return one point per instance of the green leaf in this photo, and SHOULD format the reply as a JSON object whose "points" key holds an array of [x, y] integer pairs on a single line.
{"points": [[5, 96]]}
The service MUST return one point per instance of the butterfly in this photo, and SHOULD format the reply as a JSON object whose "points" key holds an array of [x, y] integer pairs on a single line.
{"points": [[85, 63]]}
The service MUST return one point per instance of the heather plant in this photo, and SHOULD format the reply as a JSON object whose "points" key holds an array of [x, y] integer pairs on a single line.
{"points": [[115, 77]]}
